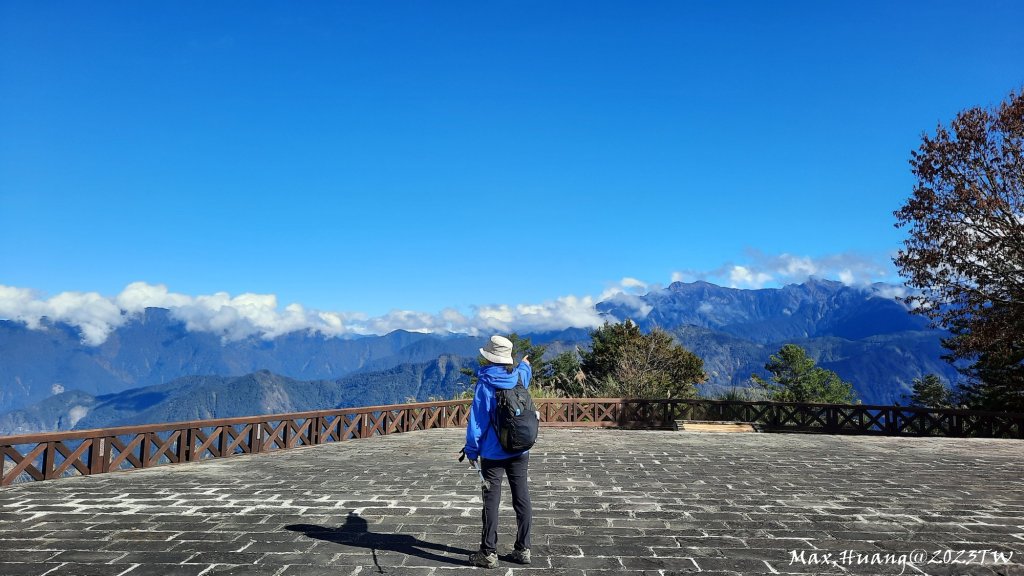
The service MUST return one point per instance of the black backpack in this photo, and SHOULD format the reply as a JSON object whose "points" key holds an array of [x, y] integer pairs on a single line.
{"points": [[515, 420]]}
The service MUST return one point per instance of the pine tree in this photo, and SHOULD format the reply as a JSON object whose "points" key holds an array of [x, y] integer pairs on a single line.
{"points": [[930, 392], [796, 378]]}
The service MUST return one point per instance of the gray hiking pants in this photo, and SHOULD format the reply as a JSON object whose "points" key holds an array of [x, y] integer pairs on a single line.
{"points": [[515, 469]]}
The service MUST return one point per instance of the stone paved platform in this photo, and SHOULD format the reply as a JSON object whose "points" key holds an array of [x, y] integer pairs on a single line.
{"points": [[605, 501]]}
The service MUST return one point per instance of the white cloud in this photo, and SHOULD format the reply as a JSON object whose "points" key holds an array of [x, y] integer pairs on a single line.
{"points": [[95, 316], [20, 304], [760, 270], [626, 285], [453, 317], [626, 292], [77, 413], [138, 296], [743, 277], [889, 291], [232, 318], [792, 266], [557, 314], [57, 389], [628, 282]]}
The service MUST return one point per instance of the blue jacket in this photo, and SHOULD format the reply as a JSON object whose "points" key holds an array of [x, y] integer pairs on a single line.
{"points": [[481, 439]]}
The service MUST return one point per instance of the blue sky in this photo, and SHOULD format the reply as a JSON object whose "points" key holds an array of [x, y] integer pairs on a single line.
{"points": [[425, 155]]}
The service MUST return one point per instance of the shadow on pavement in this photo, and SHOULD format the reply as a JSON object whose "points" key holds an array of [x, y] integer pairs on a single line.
{"points": [[355, 532]]}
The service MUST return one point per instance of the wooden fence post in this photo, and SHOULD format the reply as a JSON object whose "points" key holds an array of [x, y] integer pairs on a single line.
{"points": [[49, 461], [832, 419], [256, 438], [318, 424], [184, 442], [98, 456]]}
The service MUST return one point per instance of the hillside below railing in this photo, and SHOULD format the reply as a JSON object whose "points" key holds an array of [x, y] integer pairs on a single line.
{"points": [[48, 456]]}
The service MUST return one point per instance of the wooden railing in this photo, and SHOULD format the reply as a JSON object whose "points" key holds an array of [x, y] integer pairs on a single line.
{"points": [[827, 418], [61, 454], [85, 452]]}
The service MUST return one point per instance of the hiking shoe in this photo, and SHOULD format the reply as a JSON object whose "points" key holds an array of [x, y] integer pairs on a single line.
{"points": [[482, 560], [520, 556]]}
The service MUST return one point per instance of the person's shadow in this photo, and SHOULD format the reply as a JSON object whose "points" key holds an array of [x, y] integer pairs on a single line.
{"points": [[355, 532]]}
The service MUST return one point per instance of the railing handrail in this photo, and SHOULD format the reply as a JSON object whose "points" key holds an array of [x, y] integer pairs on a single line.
{"points": [[185, 424], [918, 409], [163, 427]]}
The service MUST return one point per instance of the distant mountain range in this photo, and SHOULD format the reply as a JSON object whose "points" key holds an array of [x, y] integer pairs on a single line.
{"points": [[863, 334], [206, 397], [153, 369]]}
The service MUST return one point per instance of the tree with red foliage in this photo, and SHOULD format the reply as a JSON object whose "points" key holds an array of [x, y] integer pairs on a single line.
{"points": [[965, 251]]}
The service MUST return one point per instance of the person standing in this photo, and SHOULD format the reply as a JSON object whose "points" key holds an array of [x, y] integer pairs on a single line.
{"points": [[497, 372]]}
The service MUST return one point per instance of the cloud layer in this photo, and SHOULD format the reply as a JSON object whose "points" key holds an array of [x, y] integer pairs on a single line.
{"points": [[248, 315], [762, 270]]}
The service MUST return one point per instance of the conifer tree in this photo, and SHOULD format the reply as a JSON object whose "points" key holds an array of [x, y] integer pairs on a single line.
{"points": [[796, 378]]}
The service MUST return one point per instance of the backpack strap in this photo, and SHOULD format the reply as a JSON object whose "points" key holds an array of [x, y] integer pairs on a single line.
{"points": [[494, 411]]}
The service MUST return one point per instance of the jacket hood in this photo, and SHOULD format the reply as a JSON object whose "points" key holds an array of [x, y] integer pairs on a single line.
{"points": [[498, 377]]}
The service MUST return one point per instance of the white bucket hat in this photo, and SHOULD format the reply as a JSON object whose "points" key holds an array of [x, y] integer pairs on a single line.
{"points": [[498, 350]]}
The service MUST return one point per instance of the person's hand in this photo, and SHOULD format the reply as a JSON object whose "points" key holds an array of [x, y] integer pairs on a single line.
{"points": [[526, 359], [463, 455]]}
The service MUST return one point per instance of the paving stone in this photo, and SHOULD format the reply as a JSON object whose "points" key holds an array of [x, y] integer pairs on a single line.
{"points": [[143, 535], [29, 543], [232, 558], [214, 546], [27, 568], [167, 570], [744, 565], [76, 569], [94, 557], [586, 562], [26, 556], [334, 570], [11, 531], [242, 570], [305, 559], [620, 571], [192, 535], [250, 545], [156, 557], [134, 546], [633, 563], [706, 573]]}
